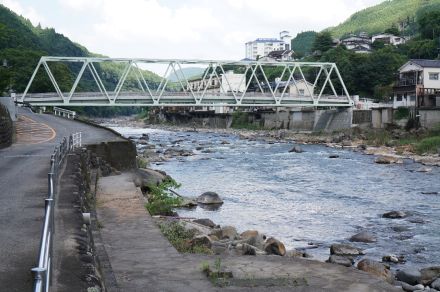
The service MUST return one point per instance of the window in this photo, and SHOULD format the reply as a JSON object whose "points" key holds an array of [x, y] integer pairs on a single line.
{"points": [[433, 76], [301, 92], [399, 97]]}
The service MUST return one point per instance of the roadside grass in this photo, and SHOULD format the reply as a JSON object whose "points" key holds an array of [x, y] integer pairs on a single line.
{"points": [[180, 238]]}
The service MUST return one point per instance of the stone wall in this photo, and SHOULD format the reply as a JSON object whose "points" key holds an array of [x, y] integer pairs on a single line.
{"points": [[429, 118], [6, 128], [121, 155]]}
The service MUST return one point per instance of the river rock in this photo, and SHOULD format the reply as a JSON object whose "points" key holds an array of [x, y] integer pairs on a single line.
{"points": [[224, 142], [201, 240], [395, 215], [345, 249], [144, 137], [346, 143], [205, 222], [144, 177], [363, 236], [410, 288], [387, 159], [436, 284], [226, 232], [411, 276], [340, 260], [400, 228], [377, 269], [296, 149], [429, 275], [390, 259], [249, 234], [209, 198], [274, 246], [424, 169], [333, 156]]}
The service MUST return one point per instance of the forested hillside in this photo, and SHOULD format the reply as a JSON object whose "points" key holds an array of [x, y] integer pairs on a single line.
{"points": [[378, 18], [302, 43], [22, 45]]}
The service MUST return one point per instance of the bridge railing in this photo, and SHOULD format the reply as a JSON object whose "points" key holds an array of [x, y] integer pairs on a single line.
{"points": [[64, 112], [43, 271]]}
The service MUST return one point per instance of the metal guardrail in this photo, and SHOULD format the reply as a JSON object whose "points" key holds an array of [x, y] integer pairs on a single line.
{"points": [[43, 272], [64, 113]]}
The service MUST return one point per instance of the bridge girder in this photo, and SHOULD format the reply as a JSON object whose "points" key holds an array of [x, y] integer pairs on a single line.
{"points": [[253, 91]]}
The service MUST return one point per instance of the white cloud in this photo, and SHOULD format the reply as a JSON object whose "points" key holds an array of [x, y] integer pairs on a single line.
{"points": [[25, 11], [186, 29]]}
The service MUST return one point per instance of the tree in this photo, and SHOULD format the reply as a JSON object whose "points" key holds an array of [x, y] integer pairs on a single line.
{"points": [[392, 30], [429, 24], [323, 42]]}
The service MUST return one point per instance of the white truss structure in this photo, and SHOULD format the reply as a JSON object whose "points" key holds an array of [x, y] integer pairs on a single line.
{"points": [[258, 91]]}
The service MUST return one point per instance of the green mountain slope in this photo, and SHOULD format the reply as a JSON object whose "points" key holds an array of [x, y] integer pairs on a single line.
{"points": [[303, 42], [22, 45], [378, 18], [189, 73]]}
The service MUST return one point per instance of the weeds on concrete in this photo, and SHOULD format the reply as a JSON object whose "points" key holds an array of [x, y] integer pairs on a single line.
{"points": [[181, 238]]}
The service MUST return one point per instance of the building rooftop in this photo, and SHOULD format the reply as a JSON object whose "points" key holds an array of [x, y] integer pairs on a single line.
{"points": [[426, 63], [266, 40]]}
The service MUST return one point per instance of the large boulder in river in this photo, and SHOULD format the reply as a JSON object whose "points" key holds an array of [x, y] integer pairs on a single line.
{"points": [[345, 249], [411, 276], [340, 260], [209, 198], [253, 237], [145, 177], [274, 246], [205, 222], [377, 269], [296, 149], [363, 236], [388, 159], [395, 215], [429, 275]]}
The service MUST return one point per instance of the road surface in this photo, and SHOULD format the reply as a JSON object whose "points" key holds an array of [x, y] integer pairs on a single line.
{"points": [[23, 188]]}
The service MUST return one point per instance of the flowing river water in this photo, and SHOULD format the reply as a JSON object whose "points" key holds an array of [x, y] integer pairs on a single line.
{"points": [[307, 200]]}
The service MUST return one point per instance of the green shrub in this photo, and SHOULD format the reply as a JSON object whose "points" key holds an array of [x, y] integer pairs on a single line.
{"points": [[428, 145], [240, 120], [161, 200], [401, 113]]}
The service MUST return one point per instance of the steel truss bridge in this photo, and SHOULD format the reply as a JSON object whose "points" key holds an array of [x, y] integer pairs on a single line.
{"points": [[250, 86]]}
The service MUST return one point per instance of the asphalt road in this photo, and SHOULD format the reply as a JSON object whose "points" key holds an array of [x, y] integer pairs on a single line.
{"points": [[23, 188]]}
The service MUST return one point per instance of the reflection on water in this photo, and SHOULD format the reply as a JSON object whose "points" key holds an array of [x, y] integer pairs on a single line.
{"points": [[308, 197]]}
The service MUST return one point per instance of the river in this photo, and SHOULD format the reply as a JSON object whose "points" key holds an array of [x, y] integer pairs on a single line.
{"points": [[307, 200]]}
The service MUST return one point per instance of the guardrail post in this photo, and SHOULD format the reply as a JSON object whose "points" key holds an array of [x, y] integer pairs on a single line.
{"points": [[40, 278]]}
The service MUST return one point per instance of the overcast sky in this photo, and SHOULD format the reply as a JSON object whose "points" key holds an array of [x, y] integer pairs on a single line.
{"points": [[196, 29]]}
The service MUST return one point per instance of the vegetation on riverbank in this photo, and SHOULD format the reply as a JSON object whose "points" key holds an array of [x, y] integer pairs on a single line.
{"points": [[181, 238], [161, 199], [419, 142]]}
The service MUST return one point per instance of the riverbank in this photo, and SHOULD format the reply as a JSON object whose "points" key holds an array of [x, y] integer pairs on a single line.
{"points": [[178, 150], [392, 146]]}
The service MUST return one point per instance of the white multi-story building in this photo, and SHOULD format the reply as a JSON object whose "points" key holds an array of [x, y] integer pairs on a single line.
{"points": [[263, 46], [388, 38]]}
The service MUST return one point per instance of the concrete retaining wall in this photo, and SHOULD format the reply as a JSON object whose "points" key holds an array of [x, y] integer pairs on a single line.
{"points": [[9, 104], [119, 154], [299, 120], [380, 117], [429, 118], [7, 129]]}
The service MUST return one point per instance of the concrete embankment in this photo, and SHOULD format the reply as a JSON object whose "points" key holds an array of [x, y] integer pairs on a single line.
{"points": [[298, 120]]}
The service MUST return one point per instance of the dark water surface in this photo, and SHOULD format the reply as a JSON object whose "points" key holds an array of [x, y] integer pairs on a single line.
{"points": [[303, 198]]}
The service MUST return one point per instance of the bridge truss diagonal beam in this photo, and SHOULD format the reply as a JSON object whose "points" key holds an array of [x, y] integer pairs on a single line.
{"points": [[222, 83]]}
